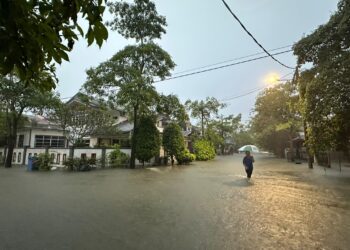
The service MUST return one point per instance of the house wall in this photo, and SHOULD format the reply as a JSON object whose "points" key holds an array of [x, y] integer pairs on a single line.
{"points": [[43, 132]]}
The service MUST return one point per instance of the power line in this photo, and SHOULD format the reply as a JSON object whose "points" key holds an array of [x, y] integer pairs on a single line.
{"points": [[221, 67], [242, 95], [245, 29], [231, 60]]}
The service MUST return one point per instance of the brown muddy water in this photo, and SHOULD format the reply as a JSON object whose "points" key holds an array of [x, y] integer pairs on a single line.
{"points": [[206, 205]]}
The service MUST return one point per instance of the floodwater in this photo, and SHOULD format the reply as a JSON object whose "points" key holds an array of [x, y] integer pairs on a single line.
{"points": [[206, 205]]}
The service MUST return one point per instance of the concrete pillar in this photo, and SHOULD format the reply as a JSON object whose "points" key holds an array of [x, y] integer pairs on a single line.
{"points": [[103, 158], [71, 152], [24, 154]]}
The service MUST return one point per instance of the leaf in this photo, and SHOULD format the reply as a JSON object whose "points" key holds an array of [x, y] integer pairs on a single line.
{"points": [[90, 36]]}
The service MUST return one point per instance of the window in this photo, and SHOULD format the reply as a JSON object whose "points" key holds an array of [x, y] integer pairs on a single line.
{"points": [[19, 159], [35, 154], [64, 157], [20, 141], [83, 156], [58, 158], [14, 157], [42, 141]]}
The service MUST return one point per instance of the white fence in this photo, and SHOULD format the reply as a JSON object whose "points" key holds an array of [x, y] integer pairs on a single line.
{"points": [[58, 155]]}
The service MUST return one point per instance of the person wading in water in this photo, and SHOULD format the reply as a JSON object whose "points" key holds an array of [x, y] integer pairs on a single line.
{"points": [[248, 161]]}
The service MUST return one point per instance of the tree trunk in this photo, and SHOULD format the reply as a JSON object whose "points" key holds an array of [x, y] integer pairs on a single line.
{"points": [[202, 125], [11, 146], [172, 160], [133, 140], [310, 156]]}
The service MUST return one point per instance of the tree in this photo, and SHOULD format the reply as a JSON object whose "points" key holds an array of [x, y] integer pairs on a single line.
{"points": [[173, 141], [127, 78], [34, 33], [171, 107], [147, 140], [324, 88], [276, 118], [82, 120], [223, 129], [15, 99], [203, 110]]}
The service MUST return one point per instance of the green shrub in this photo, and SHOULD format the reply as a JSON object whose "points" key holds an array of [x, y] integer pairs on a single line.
{"points": [[204, 150], [185, 157], [173, 141], [43, 162], [117, 158], [147, 140], [78, 164]]}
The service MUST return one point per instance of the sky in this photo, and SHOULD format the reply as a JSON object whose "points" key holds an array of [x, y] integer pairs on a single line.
{"points": [[202, 32]]}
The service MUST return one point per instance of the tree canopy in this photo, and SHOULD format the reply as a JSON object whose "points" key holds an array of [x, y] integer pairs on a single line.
{"points": [[127, 78], [276, 120], [79, 121], [325, 87], [204, 110], [34, 34], [15, 99]]}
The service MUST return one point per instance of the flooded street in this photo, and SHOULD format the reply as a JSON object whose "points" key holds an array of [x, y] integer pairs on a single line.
{"points": [[207, 205]]}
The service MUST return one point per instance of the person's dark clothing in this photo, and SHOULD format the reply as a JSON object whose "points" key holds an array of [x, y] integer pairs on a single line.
{"points": [[248, 164], [249, 172]]}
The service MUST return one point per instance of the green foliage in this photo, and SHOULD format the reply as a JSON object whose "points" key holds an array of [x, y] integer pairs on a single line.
{"points": [[79, 164], [139, 20], [204, 150], [36, 33], [84, 119], [185, 157], [44, 162], [127, 78], [324, 89], [170, 106], [147, 140], [117, 158], [203, 110], [16, 97], [173, 141], [276, 118]]}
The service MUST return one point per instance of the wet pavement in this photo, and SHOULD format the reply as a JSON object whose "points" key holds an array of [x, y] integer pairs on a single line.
{"points": [[206, 205]]}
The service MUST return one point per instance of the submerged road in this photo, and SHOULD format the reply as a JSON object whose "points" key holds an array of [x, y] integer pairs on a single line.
{"points": [[207, 205]]}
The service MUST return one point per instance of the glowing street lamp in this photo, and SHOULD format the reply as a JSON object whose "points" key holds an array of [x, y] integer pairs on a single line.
{"points": [[272, 79]]}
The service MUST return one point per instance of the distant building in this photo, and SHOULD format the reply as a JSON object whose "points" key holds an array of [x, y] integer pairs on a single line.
{"points": [[38, 132]]}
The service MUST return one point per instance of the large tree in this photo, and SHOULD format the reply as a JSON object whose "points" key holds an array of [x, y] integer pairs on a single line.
{"points": [[325, 87], [223, 129], [204, 110], [171, 107], [34, 34], [127, 78], [16, 98], [276, 119]]}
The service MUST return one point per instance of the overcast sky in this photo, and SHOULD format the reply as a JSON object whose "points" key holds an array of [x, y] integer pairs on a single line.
{"points": [[202, 32]]}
